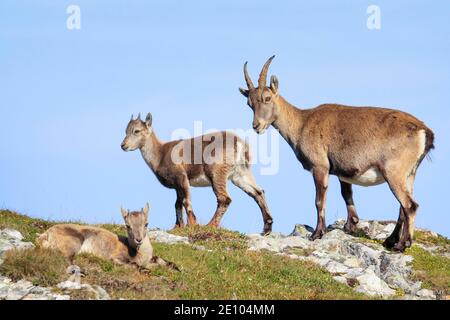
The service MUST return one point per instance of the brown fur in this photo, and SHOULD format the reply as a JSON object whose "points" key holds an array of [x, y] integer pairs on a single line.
{"points": [[366, 145], [229, 160], [136, 249]]}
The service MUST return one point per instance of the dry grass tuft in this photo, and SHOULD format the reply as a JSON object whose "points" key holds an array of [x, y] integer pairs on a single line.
{"points": [[40, 266], [213, 238]]}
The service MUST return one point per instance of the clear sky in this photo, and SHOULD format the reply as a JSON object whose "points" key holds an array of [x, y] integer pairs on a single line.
{"points": [[67, 95]]}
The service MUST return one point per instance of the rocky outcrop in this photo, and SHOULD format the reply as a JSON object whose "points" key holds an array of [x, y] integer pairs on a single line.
{"points": [[25, 290], [164, 237], [358, 262], [74, 284], [12, 239]]}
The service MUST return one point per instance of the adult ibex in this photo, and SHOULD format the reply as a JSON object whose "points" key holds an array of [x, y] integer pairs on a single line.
{"points": [[136, 249], [208, 160], [361, 145]]}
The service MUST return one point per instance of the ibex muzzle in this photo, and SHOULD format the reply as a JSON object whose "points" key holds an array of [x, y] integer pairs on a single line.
{"points": [[262, 99]]}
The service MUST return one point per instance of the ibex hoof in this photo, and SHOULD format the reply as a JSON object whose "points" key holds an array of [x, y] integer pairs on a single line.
{"points": [[350, 228], [399, 247], [267, 227], [213, 225], [390, 242], [317, 234]]}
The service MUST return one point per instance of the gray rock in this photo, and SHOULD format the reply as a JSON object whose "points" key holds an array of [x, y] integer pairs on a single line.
{"points": [[383, 233], [355, 260], [395, 270], [11, 234], [165, 237], [338, 224], [99, 292], [426, 294], [12, 239], [276, 242], [5, 245], [68, 285], [302, 230], [365, 254], [372, 229], [371, 284], [41, 293], [352, 262], [354, 273], [340, 279], [4, 289], [19, 290], [336, 267]]}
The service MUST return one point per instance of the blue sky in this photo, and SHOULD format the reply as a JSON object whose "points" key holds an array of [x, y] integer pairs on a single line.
{"points": [[67, 95]]}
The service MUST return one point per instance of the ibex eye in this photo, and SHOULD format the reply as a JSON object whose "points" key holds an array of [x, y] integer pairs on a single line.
{"points": [[267, 99], [137, 131], [146, 225]]}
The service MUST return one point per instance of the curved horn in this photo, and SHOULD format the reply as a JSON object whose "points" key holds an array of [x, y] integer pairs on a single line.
{"points": [[263, 74], [131, 118], [139, 116], [247, 77]]}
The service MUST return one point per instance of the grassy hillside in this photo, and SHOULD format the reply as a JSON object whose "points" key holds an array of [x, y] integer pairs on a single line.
{"points": [[225, 270]]}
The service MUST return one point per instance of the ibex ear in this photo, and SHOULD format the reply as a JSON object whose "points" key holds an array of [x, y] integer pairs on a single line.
{"points": [[148, 120], [124, 212], [244, 92], [145, 210], [274, 84]]}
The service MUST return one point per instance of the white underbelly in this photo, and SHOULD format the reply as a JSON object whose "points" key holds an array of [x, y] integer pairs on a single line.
{"points": [[200, 181], [371, 177], [88, 246]]}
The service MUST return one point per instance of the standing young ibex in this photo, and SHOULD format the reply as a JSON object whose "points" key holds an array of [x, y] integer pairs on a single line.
{"points": [[361, 145], [208, 160], [73, 239]]}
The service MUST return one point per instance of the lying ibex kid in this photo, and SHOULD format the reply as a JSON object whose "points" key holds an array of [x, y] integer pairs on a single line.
{"points": [[73, 239]]}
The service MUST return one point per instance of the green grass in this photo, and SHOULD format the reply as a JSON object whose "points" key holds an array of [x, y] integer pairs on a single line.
{"points": [[432, 270], [29, 227], [227, 271], [226, 274], [427, 238], [213, 238]]}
